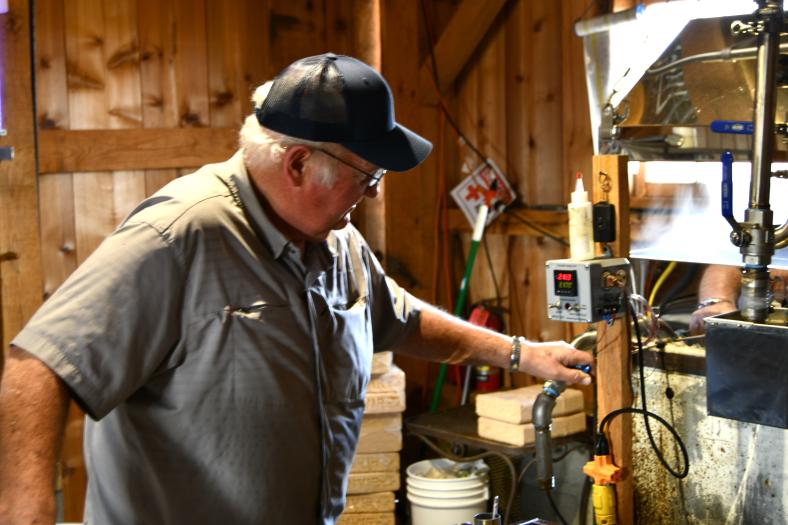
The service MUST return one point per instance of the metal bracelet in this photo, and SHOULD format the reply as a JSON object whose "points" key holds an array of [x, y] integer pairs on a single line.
{"points": [[708, 301], [514, 357]]}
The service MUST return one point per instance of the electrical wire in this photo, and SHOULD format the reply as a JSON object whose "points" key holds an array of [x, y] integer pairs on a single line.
{"points": [[673, 421], [660, 281], [681, 284], [646, 313], [555, 507], [525, 469], [568, 451], [646, 414], [536, 227], [492, 272], [436, 87]]}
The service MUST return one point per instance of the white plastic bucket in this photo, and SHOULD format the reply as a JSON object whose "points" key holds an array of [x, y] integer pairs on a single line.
{"points": [[431, 511], [446, 501]]}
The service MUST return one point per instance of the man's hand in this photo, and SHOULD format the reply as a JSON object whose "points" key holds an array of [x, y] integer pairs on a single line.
{"points": [[553, 359]]}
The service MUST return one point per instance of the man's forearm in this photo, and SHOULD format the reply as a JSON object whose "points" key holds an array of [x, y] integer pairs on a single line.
{"points": [[33, 409], [445, 338], [720, 282]]}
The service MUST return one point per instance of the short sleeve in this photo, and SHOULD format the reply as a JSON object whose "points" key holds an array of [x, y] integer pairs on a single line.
{"points": [[111, 324], [395, 312]]}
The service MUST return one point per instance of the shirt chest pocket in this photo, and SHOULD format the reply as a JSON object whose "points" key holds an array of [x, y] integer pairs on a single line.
{"points": [[346, 352]]}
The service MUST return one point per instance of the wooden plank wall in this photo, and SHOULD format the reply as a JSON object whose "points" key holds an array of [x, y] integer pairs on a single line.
{"points": [[521, 100]]}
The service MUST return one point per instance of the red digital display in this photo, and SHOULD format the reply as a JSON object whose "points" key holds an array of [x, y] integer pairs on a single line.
{"points": [[565, 282]]}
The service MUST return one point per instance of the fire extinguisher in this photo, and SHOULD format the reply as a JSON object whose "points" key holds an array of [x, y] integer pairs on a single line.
{"points": [[487, 378]]}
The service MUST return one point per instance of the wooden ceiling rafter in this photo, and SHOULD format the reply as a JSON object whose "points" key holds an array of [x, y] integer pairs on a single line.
{"points": [[468, 26]]}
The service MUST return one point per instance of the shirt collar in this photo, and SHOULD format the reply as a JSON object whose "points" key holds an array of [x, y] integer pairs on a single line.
{"points": [[279, 245]]}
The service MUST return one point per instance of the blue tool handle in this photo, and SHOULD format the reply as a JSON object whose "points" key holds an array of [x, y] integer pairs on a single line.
{"points": [[582, 368], [736, 127], [727, 185]]}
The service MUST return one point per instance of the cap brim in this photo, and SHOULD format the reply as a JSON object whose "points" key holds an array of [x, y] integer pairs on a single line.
{"points": [[399, 150]]}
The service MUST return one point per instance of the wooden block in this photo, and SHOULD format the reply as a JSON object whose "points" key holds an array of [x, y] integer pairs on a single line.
{"points": [[515, 406], [376, 422], [392, 380], [368, 518], [521, 435], [375, 462], [386, 402], [377, 502], [380, 433], [382, 441], [381, 362], [366, 482]]}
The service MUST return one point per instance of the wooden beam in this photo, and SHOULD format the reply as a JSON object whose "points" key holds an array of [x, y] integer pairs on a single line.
{"points": [[20, 257], [517, 222], [133, 149], [613, 373], [457, 43]]}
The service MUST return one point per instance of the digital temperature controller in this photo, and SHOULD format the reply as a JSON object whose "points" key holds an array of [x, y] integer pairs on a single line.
{"points": [[565, 282], [586, 291]]}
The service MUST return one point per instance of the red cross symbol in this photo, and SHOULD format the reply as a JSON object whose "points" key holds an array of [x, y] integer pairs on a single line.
{"points": [[473, 193]]}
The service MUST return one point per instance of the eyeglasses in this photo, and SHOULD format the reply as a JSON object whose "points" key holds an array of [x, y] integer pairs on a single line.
{"points": [[373, 178]]}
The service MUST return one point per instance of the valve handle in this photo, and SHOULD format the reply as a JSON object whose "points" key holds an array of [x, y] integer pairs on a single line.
{"points": [[727, 190], [736, 127]]}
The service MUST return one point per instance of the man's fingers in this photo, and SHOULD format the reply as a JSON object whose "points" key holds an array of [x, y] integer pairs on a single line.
{"points": [[584, 379]]}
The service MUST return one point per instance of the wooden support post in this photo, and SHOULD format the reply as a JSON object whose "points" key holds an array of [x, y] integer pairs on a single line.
{"points": [[613, 373], [20, 256], [367, 42]]}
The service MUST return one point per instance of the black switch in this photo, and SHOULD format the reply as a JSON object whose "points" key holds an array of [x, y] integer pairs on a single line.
{"points": [[604, 222]]}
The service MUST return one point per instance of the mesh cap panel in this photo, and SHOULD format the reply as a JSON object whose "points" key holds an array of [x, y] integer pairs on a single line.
{"points": [[335, 98]]}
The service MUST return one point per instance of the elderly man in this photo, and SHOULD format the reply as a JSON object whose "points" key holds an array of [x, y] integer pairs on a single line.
{"points": [[221, 338]]}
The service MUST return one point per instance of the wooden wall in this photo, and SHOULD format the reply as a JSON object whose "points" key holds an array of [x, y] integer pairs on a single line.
{"points": [[132, 93], [517, 91]]}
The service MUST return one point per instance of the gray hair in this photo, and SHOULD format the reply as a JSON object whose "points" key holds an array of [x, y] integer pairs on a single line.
{"points": [[264, 147]]}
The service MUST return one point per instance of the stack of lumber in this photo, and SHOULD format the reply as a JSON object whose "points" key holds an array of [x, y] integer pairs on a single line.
{"points": [[505, 415], [374, 475]]}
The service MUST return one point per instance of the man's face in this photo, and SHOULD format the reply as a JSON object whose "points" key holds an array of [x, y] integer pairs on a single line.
{"points": [[328, 208]]}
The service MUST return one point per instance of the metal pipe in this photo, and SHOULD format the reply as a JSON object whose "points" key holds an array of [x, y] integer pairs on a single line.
{"points": [[723, 55], [755, 294], [608, 21], [763, 129], [584, 341], [542, 417], [781, 236], [757, 237]]}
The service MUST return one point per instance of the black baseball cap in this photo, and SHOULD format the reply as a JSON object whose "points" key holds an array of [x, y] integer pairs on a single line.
{"points": [[337, 98]]}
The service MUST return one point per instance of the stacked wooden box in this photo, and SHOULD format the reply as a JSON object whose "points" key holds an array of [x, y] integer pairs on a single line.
{"points": [[374, 475], [506, 415]]}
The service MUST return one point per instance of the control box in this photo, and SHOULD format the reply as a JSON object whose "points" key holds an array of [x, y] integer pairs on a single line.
{"points": [[586, 291]]}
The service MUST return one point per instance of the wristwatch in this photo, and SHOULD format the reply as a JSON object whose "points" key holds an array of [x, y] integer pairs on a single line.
{"points": [[514, 357], [708, 301]]}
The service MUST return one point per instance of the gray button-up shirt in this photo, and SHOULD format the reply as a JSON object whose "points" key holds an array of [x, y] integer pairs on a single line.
{"points": [[224, 376]]}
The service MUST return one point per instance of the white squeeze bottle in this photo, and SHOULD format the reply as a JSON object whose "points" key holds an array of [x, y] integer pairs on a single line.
{"points": [[581, 234]]}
